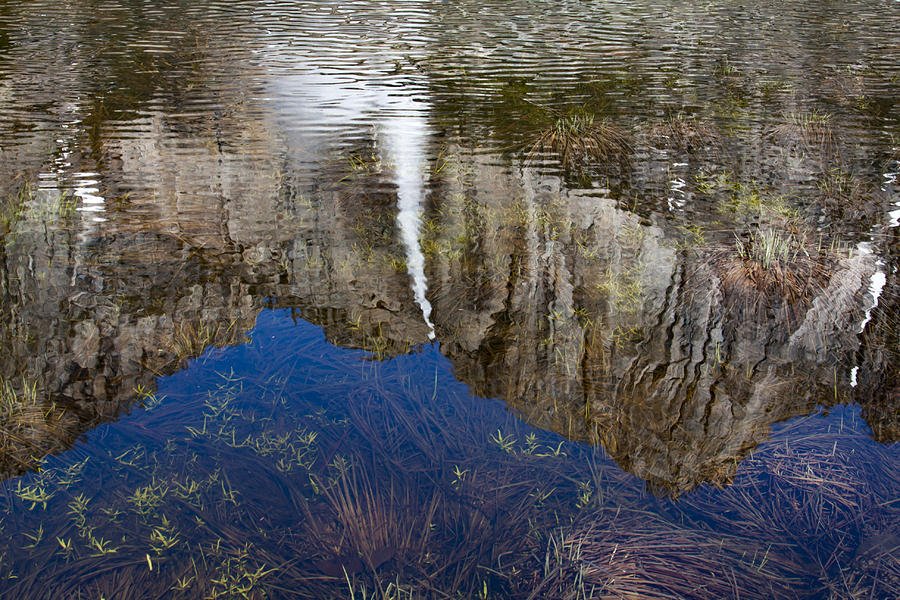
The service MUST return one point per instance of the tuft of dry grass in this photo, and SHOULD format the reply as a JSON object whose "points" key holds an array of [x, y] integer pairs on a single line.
{"points": [[804, 130], [577, 139], [686, 134], [367, 524], [770, 266]]}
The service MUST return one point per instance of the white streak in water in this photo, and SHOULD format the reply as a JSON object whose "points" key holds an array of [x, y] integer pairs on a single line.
{"points": [[317, 105], [876, 287], [404, 136]]}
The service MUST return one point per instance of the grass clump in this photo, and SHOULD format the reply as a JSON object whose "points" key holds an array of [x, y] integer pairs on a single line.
{"points": [[632, 554], [29, 427], [768, 248], [804, 131], [579, 138], [38, 206], [685, 134], [190, 338], [771, 263], [812, 502], [846, 197]]}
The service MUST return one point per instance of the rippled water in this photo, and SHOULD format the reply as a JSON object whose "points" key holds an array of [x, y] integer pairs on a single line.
{"points": [[449, 300]]}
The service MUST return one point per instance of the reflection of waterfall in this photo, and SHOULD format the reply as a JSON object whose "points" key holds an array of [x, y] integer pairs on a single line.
{"points": [[404, 136], [338, 105], [876, 286], [879, 277]]}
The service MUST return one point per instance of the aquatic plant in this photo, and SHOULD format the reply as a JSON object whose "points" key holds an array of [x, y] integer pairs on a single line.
{"points": [[624, 289], [638, 555], [815, 502], [686, 134], [769, 249], [579, 138], [845, 197], [770, 266], [373, 523], [12, 209], [193, 336], [38, 205], [30, 426], [375, 483], [804, 131], [749, 204]]}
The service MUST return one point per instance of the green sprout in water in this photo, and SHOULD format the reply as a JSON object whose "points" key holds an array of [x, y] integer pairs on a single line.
{"points": [[164, 537], [35, 494], [147, 498]]}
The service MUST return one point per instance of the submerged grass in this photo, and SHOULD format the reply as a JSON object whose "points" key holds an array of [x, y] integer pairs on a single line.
{"points": [[686, 134], [633, 554], [814, 500], [844, 196], [39, 207], [359, 480], [30, 425]]}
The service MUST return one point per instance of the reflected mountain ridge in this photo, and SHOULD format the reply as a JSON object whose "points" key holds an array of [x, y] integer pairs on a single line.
{"points": [[583, 317], [596, 301]]}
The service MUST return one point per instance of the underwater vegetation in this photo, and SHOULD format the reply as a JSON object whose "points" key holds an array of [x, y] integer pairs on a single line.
{"points": [[26, 203], [27, 422], [348, 478], [634, 225], [685, 134]]}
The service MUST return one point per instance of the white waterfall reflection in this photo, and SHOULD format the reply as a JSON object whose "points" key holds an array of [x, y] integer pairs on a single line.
{"points": [[404, 138], [359, 92]]}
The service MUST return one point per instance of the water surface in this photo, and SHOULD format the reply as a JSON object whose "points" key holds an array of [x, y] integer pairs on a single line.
{"points": [[479, 300]]}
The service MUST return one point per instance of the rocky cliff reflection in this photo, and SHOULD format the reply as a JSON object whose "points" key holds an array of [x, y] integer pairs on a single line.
{"points": [[586, 317], [608, 300]]}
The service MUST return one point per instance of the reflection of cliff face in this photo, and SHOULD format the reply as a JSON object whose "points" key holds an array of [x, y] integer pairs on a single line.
{"points": [[879, 376], [593, 324], [588, 318], [94, 316]]}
